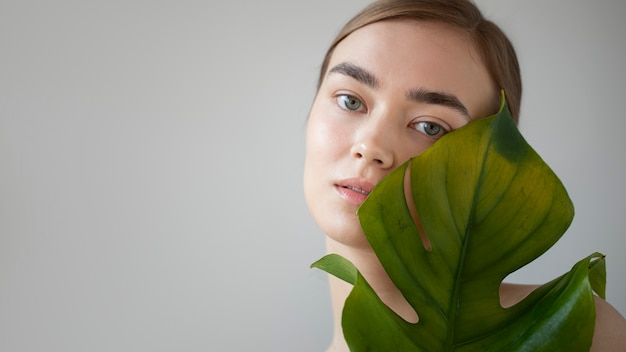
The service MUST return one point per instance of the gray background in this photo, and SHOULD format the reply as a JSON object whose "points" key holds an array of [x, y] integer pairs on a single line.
{"points": [[151, 156]]}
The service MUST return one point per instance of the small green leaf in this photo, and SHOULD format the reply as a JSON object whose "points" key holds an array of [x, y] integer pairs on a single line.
{"points": [[338, 266], [597, 275]]}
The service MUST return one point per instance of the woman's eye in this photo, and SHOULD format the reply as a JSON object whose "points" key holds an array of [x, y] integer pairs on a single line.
{"points": [[349, 102], [430, 129]]}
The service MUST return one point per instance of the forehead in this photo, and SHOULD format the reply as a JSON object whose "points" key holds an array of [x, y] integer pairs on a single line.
{"points": [[406, 54], [411, 31], [409, 43]]}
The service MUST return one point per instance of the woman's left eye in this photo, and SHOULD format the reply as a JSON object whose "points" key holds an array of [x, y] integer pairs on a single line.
{"points": [[430, 129], [349, 102]]}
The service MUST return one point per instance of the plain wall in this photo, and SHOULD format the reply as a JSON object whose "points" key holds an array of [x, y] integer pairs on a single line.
{"points": [[151, 159]]}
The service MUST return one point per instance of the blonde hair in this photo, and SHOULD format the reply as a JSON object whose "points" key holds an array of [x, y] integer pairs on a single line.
{"points": [[492, 44]]}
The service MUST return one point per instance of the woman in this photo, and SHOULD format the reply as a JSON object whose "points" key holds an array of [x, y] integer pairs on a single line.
{"points": [[399, 76]]}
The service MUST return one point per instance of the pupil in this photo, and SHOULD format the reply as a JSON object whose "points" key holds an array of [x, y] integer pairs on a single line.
{"points": [[432, 129], [351, 103]]}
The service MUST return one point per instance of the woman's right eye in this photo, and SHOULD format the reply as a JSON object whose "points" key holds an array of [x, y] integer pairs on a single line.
{"points": [[349, 102]]}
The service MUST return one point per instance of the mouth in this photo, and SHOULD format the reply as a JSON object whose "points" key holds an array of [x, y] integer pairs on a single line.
{"points": [[354, 191]]}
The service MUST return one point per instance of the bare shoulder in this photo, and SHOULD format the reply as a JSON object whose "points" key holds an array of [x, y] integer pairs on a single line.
{"points": [[610, 331]]}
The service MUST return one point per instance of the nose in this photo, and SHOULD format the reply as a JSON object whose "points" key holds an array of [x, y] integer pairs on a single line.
{"points": [[374, 147]]}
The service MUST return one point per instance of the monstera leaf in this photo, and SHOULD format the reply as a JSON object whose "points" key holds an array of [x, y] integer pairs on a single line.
{"points": [[448, 226]]}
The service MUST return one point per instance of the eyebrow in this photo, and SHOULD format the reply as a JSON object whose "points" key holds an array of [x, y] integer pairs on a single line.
{"points": [[356, 72], [422, 95], [419, 95]]}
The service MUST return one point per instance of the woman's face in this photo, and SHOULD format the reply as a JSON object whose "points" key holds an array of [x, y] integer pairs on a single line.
{"points": [[392, 89]]}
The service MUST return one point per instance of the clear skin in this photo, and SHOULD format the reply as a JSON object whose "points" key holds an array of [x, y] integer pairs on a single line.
{"points": [[346, 146], [373, 111]]}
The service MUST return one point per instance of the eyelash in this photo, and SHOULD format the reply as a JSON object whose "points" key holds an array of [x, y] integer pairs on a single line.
{"points": [[420, 126], [343, 99]]}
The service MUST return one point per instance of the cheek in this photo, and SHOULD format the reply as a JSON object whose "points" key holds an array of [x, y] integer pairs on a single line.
{"points": [[410, 147], [327, 139], [326, 143]]}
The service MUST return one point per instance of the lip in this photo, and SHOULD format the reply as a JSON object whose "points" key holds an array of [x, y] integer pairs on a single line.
{"points": [[354, 190]]}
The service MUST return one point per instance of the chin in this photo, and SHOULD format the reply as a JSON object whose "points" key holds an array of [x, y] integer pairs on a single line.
{"points": [[337, 220], [347, 232]]}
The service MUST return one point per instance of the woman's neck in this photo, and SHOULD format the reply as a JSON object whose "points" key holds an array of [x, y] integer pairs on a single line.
{"points": [[372, 270]]}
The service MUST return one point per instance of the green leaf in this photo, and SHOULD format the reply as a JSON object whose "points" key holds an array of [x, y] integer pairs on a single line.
{"points": [[485, 204], [339, 266], [597, 275]]}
